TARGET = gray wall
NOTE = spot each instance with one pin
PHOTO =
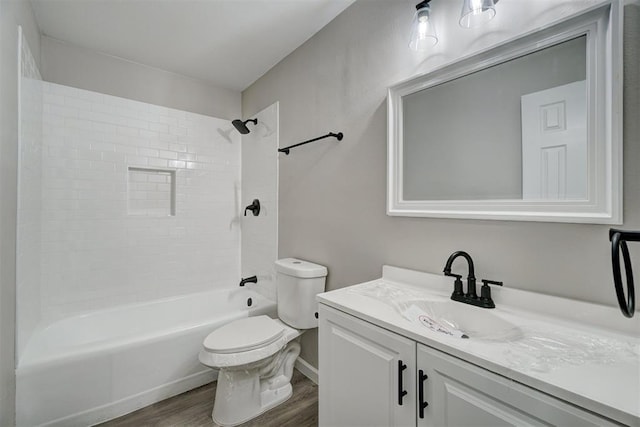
(332, 194)
(75, 66)
(12, 14)
(459, 147)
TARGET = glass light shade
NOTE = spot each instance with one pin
(423, 33)
(477, 12)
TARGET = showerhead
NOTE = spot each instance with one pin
(242, 126)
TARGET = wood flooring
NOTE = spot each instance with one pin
(193, 409)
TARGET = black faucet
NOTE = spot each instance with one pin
(471, 297)
(471, 278)
(252, 279)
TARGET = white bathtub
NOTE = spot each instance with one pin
(96, 366)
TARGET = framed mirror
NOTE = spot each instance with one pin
(530, 130)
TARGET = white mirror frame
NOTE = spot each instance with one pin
(602, 26)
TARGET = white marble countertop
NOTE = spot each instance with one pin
(587, 354)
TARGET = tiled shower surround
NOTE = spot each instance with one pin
(29, 240)
(139, 202)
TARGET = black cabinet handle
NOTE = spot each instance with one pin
(401, 391)
(422, 404)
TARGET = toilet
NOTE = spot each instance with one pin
(255, 355)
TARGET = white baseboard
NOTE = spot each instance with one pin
(133, 403)
(307, 369)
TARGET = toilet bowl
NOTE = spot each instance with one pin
(255, 355)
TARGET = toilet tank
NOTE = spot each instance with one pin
(298, 282)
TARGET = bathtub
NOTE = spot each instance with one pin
(95, 366)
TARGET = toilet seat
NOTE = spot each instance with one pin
(244, 335)
(267, 337)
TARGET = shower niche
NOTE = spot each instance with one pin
(151, 192)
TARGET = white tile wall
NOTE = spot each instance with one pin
(260, 181)
(28, 242)
(94, 252)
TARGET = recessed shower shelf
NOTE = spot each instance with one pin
(151, 192)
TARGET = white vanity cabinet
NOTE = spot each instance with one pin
(459, 393)
(362, 375)
(363, 370)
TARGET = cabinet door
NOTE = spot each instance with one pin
(363, 369)
(461, 394)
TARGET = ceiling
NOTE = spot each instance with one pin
(227, 43)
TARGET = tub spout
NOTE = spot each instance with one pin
(252, 279)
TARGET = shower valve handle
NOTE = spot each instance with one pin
(253, 207)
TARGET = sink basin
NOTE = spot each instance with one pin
(474, 322)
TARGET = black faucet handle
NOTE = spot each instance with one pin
(457, 285)
(485, 293)
(491, 282)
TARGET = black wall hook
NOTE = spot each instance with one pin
(286, 150)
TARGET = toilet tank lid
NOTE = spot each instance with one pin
(300, 268)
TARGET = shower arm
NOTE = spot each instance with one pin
(286, 150)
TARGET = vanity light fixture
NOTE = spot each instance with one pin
(477, 12)
(423, 33)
